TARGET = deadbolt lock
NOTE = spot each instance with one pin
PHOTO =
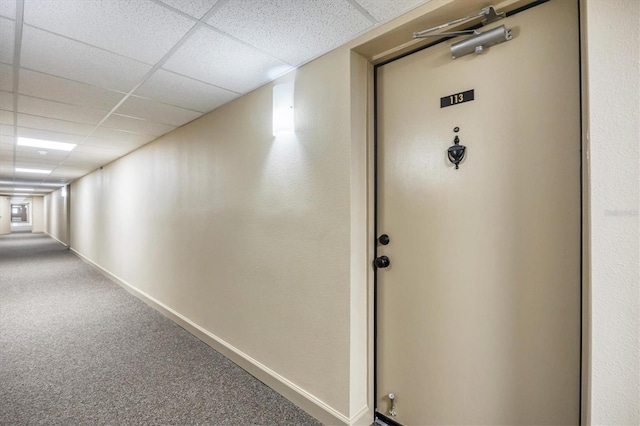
(384, 239)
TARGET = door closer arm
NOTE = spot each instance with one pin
(479, 40)
(489, 13)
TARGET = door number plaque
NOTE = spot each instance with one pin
(457, 98)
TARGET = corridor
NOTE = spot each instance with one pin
(75, 348)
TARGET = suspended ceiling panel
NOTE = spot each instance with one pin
(7, 35)
(8, 8)
(75, 60)
(193, 8)
(113, 75)
(307, 29)
(209, 56)
(175, 89)
(46, 86)
(141, 30)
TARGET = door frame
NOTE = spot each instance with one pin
(377, 54)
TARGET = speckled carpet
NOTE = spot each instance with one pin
(75, 349)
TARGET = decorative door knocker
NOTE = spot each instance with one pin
(456, 152)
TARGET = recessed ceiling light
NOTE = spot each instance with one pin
(23, 189)
(39, 143)
(42, 152)
(38, 171)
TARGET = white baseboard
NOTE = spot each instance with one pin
(65, 244)
(303, 399)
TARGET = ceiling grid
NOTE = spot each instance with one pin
(113, 75)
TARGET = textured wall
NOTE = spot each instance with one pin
(613, 48)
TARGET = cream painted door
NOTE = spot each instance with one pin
(478, 317)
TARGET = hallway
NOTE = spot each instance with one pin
(75, 348)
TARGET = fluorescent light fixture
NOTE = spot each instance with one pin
(47, 184)
(39, 143)
(283, 108)
(64, 192)
(38, 171)
(23, 189)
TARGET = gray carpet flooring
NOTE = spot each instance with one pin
(75, 348)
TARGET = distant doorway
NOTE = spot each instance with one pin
(21, 216)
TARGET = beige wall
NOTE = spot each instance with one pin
(37, 211)
(56, 216)
(613, 86)
(246, 235)
(5, 215)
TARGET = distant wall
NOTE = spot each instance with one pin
(5, 215)
(56, 216)
(37, 214)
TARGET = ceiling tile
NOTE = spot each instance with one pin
(117, 136)
(27, 163)
(103, 155)
(29, 183)
(8, 8)
(116, 142)
(6, 117)
(95, 161)
(69, 172)
(54, 125)
(26, 132)
(85, 164)
(170, 88)
(32, 152)
(97, 150)
(7, 130)
(195, 8)
(6, 144)
(46, 86)
(6, 101)
(216, 59)
(52, 109)
(385, 10)
(6, 77)
(307, 29)
(7, 35)
(94, 156)
(138, 29)
(49, 161)
(137, 125)
(42, 51)
(162, 113)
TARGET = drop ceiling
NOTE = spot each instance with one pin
(113, 75)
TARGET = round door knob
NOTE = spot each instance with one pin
(382, 262)
(384, 239)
